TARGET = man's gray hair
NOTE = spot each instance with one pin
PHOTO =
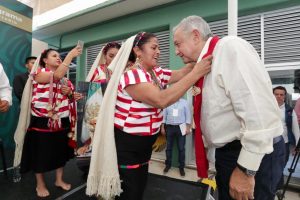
(194, 22)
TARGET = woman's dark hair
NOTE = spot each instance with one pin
(139, 41)
(111, 45)
(45, 54)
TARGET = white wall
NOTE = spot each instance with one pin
(37, 47)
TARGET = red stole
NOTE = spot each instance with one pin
(201, 160)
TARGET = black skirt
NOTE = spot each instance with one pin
(45, 151)
(132, 150)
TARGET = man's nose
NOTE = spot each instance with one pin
(177, 52)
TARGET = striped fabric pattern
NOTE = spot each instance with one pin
(135, 117)
(40, 98)
(99, 75)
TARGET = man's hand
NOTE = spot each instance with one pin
(241, 186)
(4, 105)
(188, 129)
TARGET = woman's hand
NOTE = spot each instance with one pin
(75, 52)
(4, 105)
(203, 67)
(190, 65)
(93, 122)
(65, 90)
(82, 150)
(77, 96)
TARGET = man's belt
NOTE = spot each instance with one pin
(236, 145)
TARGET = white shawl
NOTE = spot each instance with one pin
(103, 179)
(24, 117)
(99, 60)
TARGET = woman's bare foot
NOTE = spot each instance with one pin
(63, 185)
(42, 191)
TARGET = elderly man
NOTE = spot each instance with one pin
(5, 91)
(239, 114)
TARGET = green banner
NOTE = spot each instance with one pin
(15, 19)
(15, 42)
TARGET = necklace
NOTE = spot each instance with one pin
(153, 76)
(155, 80)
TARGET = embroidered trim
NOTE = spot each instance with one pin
(133, 166)
(45, 130)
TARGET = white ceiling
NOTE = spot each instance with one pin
(114, 9)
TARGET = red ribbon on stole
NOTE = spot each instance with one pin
(201, 160)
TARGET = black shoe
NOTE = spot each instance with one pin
(166, 169)
(279, 194)
(181, 171)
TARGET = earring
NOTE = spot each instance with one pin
(137, 63)
(137, 60)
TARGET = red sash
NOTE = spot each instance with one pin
(201, 160)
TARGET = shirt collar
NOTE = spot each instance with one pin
(204, 50)
(282, 106)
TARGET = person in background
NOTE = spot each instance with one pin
(21, 79)
(177, 118)
(297, 110)
(101, 74)
(290, 127)
(235, 109)
(5, 91)
(50, 139)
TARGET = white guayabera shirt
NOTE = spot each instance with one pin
(5, 89)
(238, 102)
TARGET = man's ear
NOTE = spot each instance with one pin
(196, 35)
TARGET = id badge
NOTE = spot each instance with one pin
(175, 112)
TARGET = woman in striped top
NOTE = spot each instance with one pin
(138, 113)
(49, 141)
(102, 74)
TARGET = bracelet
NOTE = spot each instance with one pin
(64, 64)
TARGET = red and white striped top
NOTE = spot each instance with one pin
(101, 74)
(135, 117)
(40, 98)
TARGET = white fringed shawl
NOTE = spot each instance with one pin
(24, 117)
(103, 179)
(99, 60)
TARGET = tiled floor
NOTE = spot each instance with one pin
(157, 167)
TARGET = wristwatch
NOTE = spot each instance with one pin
(248, 172)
